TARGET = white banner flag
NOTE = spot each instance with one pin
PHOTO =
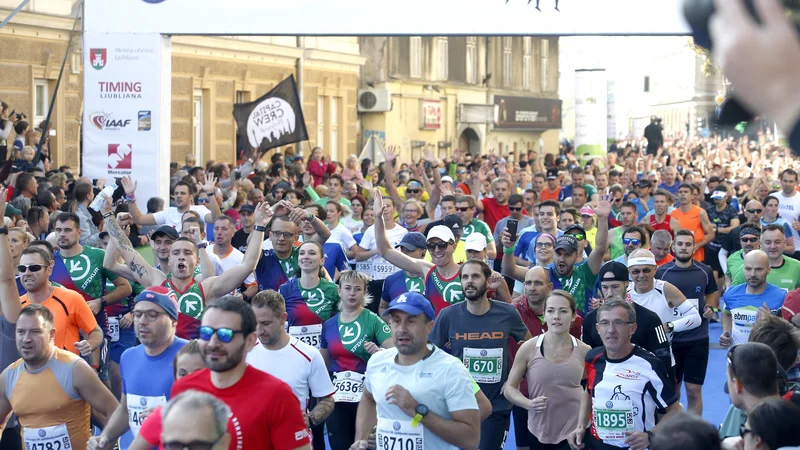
(591, 113)
(123, 98)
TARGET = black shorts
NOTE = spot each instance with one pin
(375, 289)
(494, 430)
(712, 259)
(691, 360)
(521, 433)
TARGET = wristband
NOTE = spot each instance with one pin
(130, 198)
(260, 228)
(4, 230)
(202, 245)
(107, 215)
(311, 218)
(509, 250)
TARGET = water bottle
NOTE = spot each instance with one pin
(99, 201)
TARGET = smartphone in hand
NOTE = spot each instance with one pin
(511, 226)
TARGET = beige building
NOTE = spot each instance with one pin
(476, 93)
(209, 74)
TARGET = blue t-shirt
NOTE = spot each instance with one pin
(642, 208)
(147, 381)
(335, 258)
(525, 245)
(271, 272)
(695, 282)
(744, 308)
(787, 229)
(671, 189)
(396, 284)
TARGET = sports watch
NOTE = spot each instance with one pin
(421, 411)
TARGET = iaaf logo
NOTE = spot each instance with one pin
(105, 121)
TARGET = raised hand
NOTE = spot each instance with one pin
(378, 205)
(430, 157)
(3, 193)
(603, 208)
(129, 185)
(298, 215)
(263, 214)
(210, 184)
(307, 180)
(391, 153)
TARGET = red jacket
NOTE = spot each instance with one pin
(318, 169)
(536, 326)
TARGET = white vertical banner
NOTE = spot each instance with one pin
(591, 112)
(126, 93)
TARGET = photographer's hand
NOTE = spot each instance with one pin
(760, 60)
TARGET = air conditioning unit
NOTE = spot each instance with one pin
(374, 100)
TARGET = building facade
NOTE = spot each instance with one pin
(471, 93)
(209, 75)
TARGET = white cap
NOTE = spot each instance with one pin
(441, 232)
(447, 179)
(475, 242)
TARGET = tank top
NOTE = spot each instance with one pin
(443, 292)
(691, 221)
(656, 301)
(661, 225)
(561, 384)
(191, 304)
(49, 421)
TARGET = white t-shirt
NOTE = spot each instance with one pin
(789, 209)
(216, 263)
(440, 382)
(379, 267)
(232, 259)
(299, 365)
(172, 217)
(343, 236)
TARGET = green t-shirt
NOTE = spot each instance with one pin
(735, 263)
(785, 276)
(368, 327)
(290, 264)
(577, 283)
(87, 272)
(477, 225)
(321, 300)
(324, 201)
(616, 248)
(415, 284)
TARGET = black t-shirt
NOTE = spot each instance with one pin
(239, 240)
(650, 334)
(721, 219)
(731, 243)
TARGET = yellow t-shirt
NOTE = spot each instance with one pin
(459, 255)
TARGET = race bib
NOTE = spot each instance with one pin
(349, 386)
(382, 268)
(310, 334)
(363, 266)
(48, 438)
(399, 435)
(113, 328)
(137, 404)
(613, 420)
(484, 364)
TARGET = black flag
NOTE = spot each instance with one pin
(273, 120)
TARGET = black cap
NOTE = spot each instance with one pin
(247, 207)
(552, 173)
(567, 242)
(618, 271)
(452, 221)
(713, 179)
(643, 183)
(575, 227)
(167, 231)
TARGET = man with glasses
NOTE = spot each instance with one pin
(196, 419)
(525, 252)
(743, 301)
(414, 246)
(644, 201)
(690, 348)
(147, 379)
(516, 205)
(749, 240)
(227, 332)
(466, 208)
(627, 216)
(783, 271)
(626, 387)
(753, 212)
(633, 239)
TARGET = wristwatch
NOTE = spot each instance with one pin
(421, 411)
(649, 435)
(260, 228)
(670, 327)
(311, 218)
(4, 230)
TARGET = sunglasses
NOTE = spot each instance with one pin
(646, 271)
(617, 200)
(413, 191)
(513, 209)
(461, 172)
(749, 240)
(223, 334)
(754, 211)
(629, 241)
(434, 245)
(31, 267)
(579, 236)
(202, 200)
(544, 245)
(462, 209)
(193, 445)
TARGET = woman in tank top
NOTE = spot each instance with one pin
(554, 365)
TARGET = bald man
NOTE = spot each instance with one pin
(196, 417)
(743, 301)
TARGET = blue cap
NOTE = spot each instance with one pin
(413, 241)
(162, 297)
(412, 303)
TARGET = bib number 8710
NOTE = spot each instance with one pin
(398, 443)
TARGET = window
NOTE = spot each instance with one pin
(526, 63)
(545, 56)
(321, 121)
(197, 125)
(441, 44)
(472, 60)
(41, 101)
(333, 146)
(507, 61)
(415, 56)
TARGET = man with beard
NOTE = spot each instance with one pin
(690, 348)
(633, 239)
(85, 266)
(228, 330)
(183, 258)
(146, 373)
(627, 216)
(749, 240)
(531, 309)
(477, 332)
(415, 393)
(783, 269)
(51, 390)
(693, 218)
(743, 301)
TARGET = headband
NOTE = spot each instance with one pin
(548, 235)
(641, 261)
(749, 230)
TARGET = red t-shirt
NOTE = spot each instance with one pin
(493, 212)
(791, 305)
(266, 414)
(547, 194)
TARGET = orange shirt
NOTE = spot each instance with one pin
(72, 315)
(666, 260)
(547, 194)
(691, 221)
